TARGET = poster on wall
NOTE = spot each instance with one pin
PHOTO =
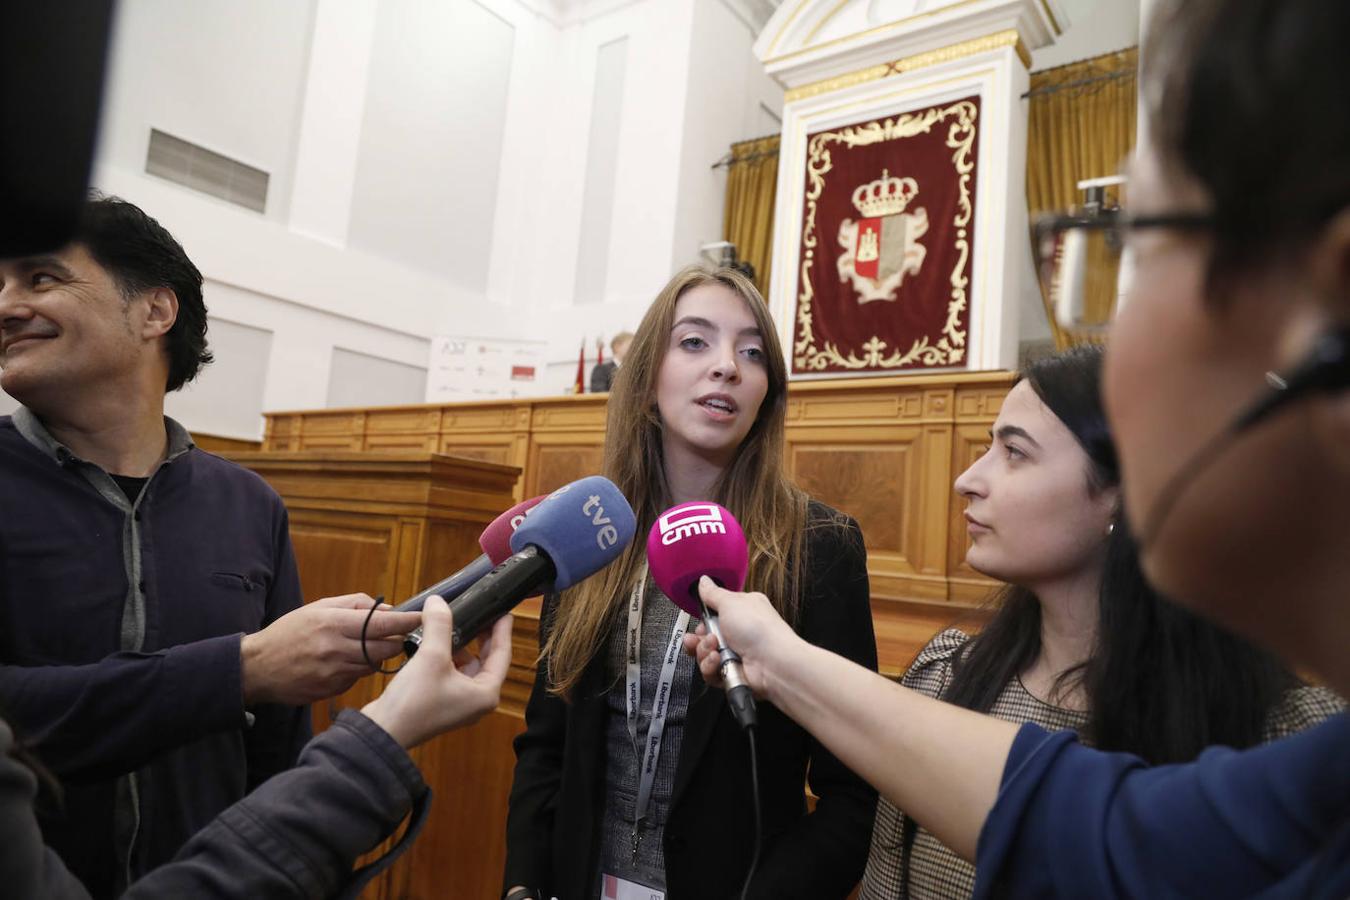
(886, 244)
(470, 368)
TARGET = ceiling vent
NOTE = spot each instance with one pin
(202, 170)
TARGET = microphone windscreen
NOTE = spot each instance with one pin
(582, 527)
(692, 540)
(496, 538)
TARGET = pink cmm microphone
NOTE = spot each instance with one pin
(687, 542)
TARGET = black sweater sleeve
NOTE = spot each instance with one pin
(824, 853)
(538, 775)
(295, 836)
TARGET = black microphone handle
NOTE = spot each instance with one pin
(451, 587)
(494, 595)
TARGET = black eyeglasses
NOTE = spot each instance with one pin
(1078, 258)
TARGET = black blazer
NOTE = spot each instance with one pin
(553, 824)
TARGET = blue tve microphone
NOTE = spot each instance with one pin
(573, 533)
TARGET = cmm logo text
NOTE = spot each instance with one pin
(687, 521)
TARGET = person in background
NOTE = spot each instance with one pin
(1079, 639)
(698, 414)
(1241, 268)
(298, 834)
(602, 376)
(153, 645)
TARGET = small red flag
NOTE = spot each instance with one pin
(580, 386)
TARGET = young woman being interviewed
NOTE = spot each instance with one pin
(696, 413)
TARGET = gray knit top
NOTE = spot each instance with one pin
(621, 757)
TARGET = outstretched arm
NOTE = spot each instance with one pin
(939, 763)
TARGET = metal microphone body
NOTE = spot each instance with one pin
(451, 587)
(739, 696)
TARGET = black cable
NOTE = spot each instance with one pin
(759, 826)
(365, 653)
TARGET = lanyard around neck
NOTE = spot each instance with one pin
(651, 749)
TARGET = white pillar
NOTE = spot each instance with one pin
(331, 117)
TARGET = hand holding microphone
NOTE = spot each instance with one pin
(441, 690)
(751, 624)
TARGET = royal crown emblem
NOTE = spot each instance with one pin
(882, 247)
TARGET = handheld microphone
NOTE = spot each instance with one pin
(496, 543)
(685, 543)
(573, 533)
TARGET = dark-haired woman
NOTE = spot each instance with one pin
(1080, 641)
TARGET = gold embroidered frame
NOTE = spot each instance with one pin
(949, 350)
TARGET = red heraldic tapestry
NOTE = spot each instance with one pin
(887, 241)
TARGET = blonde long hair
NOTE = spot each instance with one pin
(771, 509)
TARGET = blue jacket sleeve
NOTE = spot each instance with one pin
(278, 733)
(1070, 821)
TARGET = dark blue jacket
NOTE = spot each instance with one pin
(1273, 821)
(120, 626)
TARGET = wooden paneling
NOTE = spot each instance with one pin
(463, 850)
(556, 460)
(884, 450)
(392, 524)
(214, 443)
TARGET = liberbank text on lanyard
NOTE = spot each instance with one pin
(651, 751)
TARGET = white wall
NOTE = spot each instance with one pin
(427, 162)
(425, 192)
(1095, 27)
(245, 58)
(602, 155)
(229, 391)
(691, 87)
(359, 379)
(729, 93)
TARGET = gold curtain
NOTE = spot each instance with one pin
(1080, 124)
(747, 217)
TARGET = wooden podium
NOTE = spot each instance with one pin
(390, 524)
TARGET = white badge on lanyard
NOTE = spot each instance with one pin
(651, 751)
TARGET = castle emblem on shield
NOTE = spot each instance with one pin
(882, 247)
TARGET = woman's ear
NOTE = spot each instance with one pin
(1109, 501)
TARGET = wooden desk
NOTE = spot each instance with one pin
(884, 450)
(392, 524)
